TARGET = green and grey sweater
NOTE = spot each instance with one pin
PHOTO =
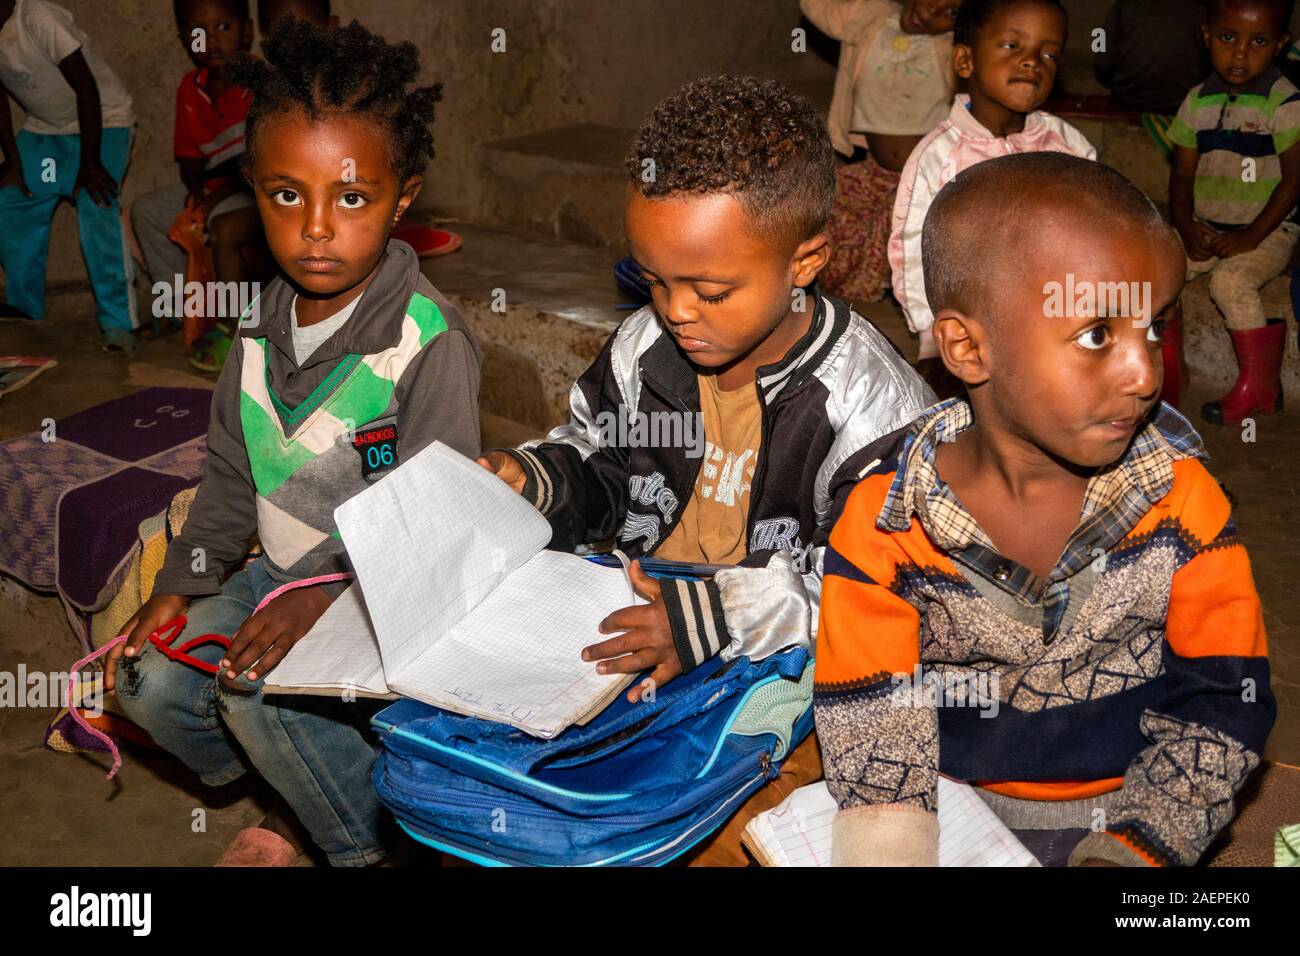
(289, 444)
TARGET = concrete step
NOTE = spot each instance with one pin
(541, 310)
(558, 303)
(1128, 148)
(566, 183)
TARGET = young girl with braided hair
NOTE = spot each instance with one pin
(346, 365)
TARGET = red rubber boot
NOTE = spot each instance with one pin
(1259, 379)
(1171, 351)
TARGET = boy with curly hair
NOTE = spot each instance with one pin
(731, 181)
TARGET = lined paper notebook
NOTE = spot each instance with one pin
(797, 832)
(469, 615)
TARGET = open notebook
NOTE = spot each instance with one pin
(797, 832)
(458, 605)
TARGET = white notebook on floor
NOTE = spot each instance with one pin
(458, 605)
(797, 832)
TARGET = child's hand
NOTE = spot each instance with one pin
(648, 641)
(268, 635)
(157, 611)
(94, 179)
(11, 174)
(1199, 239)
(504, 467)
(1234, 243)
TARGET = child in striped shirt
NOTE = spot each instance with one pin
(1233, 187)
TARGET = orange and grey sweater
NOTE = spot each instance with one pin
(1127, 692)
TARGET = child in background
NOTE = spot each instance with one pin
(238, 227)
(1233, 188)
(350, 349)
(235, 228)
(74, 144)
(208, 141)
(792, 387)
(1007, 51)
(1046, 554)
(1146, 75)
(894, 84)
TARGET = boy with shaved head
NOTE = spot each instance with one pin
(1040, 588)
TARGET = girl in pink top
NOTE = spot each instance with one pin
(1007, 51)
(894, 85)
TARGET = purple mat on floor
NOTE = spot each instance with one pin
(70, 509)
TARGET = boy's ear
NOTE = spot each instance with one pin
(810, 257)
(1205, 35)
(963, 61)
(962, 345)
(246, 35)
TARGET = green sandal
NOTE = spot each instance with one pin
(211, 350)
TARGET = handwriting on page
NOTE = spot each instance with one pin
(509, 712)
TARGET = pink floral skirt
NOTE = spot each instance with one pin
(859, 230)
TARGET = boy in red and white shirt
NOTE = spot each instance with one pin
(208, 140)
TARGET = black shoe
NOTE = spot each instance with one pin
(7, 311)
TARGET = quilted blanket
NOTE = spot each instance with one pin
(72, 496)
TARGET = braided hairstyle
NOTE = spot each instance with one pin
(348, 71)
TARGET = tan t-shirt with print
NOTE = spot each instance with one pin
(712, 528)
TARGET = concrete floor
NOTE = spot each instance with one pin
(56, 809)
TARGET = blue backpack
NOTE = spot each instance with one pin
(637, 786)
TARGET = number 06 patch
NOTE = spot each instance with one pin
(378, 450)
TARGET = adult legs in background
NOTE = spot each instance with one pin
(25, 238)
(104, 243)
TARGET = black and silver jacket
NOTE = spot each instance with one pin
(842, 386)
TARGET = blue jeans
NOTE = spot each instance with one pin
(50, 166)
(311, 749)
